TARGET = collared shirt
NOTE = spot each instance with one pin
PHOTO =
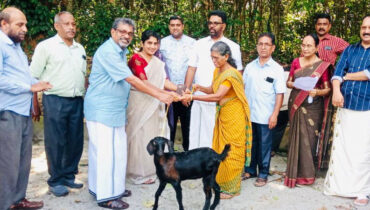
(62, 65)
(330, 47)
(261, 84)
(356, 94)
(176, 55)
(15, 78)
(201, 59)
(107, 95)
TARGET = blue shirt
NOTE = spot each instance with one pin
(107, 95)
(15, 78)
(176, 55)
(356, 94)
(261, 84)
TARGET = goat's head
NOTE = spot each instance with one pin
(157, 146)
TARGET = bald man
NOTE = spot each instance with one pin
(16, 89)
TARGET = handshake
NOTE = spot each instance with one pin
(183, 94)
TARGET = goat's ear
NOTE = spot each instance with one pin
(169, 145)
(150, 147)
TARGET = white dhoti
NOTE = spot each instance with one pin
(202, 123)
(107, 161)
(349, 167)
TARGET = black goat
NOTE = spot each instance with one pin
(197, 163)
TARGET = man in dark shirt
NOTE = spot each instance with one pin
(349, 168)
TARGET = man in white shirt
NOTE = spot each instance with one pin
(200, 70)
(176, 49)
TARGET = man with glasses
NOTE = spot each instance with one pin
(200, 70)
(105, 112)
(65, 68)
(264, 87)
(176, 50)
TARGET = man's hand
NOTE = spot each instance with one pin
(313, 93)
(272, 121)
(338, 99)
(41, 86)
(165, 98)
(36, 112)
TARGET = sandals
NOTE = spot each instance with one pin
(227, 196)
(247, 175)
(114, 204)
(149, 181)
(361, 201)
(260, 182)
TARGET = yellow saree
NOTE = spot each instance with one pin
(233, 126)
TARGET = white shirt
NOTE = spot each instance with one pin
(261, 84)
(201, 59)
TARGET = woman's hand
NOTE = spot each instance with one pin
(176, 97)
(195, 88)
(313, 92)
(186, 98)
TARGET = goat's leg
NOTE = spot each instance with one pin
(160, 189)
(208, 191)
(216, 189)
(177, 187)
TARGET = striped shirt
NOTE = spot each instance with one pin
(330, 47)
(356, 94)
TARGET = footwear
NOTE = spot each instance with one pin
(25, 204)
(59, 190)
(260, 182)
(247, 175)
(72, 184)
(149, 181)
(114, 204)
(227, 196)
(361, 201)
(127, 193)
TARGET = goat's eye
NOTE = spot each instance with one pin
(154, 143)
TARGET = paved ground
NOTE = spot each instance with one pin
(273, 196)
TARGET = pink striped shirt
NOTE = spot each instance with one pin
(330, 47)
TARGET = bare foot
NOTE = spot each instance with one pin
(149, 181)
(225, 196)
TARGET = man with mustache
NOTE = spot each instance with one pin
(201, 67)
(105, 112)
(330, 46)
(176, 50)
(349, 168)
(62, 61)
(16, 88)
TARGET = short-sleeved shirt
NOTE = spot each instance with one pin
(107, 95)
(15, 78)
(64, 66)
(176, 54)
(261, 84)
(330, 47)
(201, 59)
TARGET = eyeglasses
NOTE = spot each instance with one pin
(260, 44)
(213, 23)
(124, 32)
(306, 45)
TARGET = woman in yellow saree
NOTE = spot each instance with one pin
(233, 124)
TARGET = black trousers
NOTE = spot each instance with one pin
(15, 157)
(63, 130)
(182, 112)
(278, 131)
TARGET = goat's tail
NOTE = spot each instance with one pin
(224, 153)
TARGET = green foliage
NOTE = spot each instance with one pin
(289, 20)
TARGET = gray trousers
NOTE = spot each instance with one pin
(15, 157)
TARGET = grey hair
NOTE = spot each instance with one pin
(126, 21)
(57, 16)
(4, 16)
(224, 49)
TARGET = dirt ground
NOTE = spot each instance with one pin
(273, 196)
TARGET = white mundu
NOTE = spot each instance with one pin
(349, 168)
(202, 120)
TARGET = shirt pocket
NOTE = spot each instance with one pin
(267, 88)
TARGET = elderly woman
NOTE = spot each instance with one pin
(233, 124)
(306, 116)
(145, 114)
